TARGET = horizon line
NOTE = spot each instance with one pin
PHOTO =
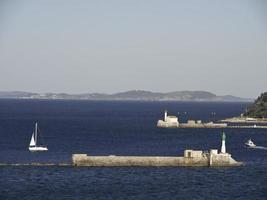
(130, 90)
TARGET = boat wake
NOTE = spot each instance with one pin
(258, 147)
(250, 144)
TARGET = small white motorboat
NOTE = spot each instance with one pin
(249, 143)
(33, 144)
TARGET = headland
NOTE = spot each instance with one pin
(255, 113)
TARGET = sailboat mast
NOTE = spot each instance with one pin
(35, 133)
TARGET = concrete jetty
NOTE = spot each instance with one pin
(35, 164)
(173, 122)
(191, 158)
(251, 127)
(245, 120)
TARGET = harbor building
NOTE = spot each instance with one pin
(168, 121)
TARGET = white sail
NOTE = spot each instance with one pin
(32, 143)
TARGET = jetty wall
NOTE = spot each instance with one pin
(152, 161)
(221, 160)
(203, 125)
(108, 161)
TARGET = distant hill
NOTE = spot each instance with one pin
(133, 95)
(259, 108)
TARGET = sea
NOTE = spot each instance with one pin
(124, 128)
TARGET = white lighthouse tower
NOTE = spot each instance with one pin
(223, 148)
(165, 115)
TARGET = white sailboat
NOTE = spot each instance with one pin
(33, 144)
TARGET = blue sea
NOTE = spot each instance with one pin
(124, 128)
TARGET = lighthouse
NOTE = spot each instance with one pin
(223, 148)
(165, 115)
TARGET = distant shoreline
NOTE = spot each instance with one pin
(127, 100)
(133, 95)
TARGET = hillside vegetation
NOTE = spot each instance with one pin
(259, 108)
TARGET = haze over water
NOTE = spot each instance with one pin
(113, 46)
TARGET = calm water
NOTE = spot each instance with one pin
(124, 128)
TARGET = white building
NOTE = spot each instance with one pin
(168, 121)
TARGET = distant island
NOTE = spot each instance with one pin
(133, 95)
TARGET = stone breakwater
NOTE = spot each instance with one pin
(245, 120)
(191, 158)
(36, 164)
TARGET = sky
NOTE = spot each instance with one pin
(111, 46)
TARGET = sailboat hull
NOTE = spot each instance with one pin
(33, 149)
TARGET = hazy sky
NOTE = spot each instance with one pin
(109, 46)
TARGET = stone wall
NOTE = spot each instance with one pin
(108, 161)
(199, 159)
(222, 159)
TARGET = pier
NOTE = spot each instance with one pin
(36, 164)
(243, 126)
(191, 158)
(173, 122)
